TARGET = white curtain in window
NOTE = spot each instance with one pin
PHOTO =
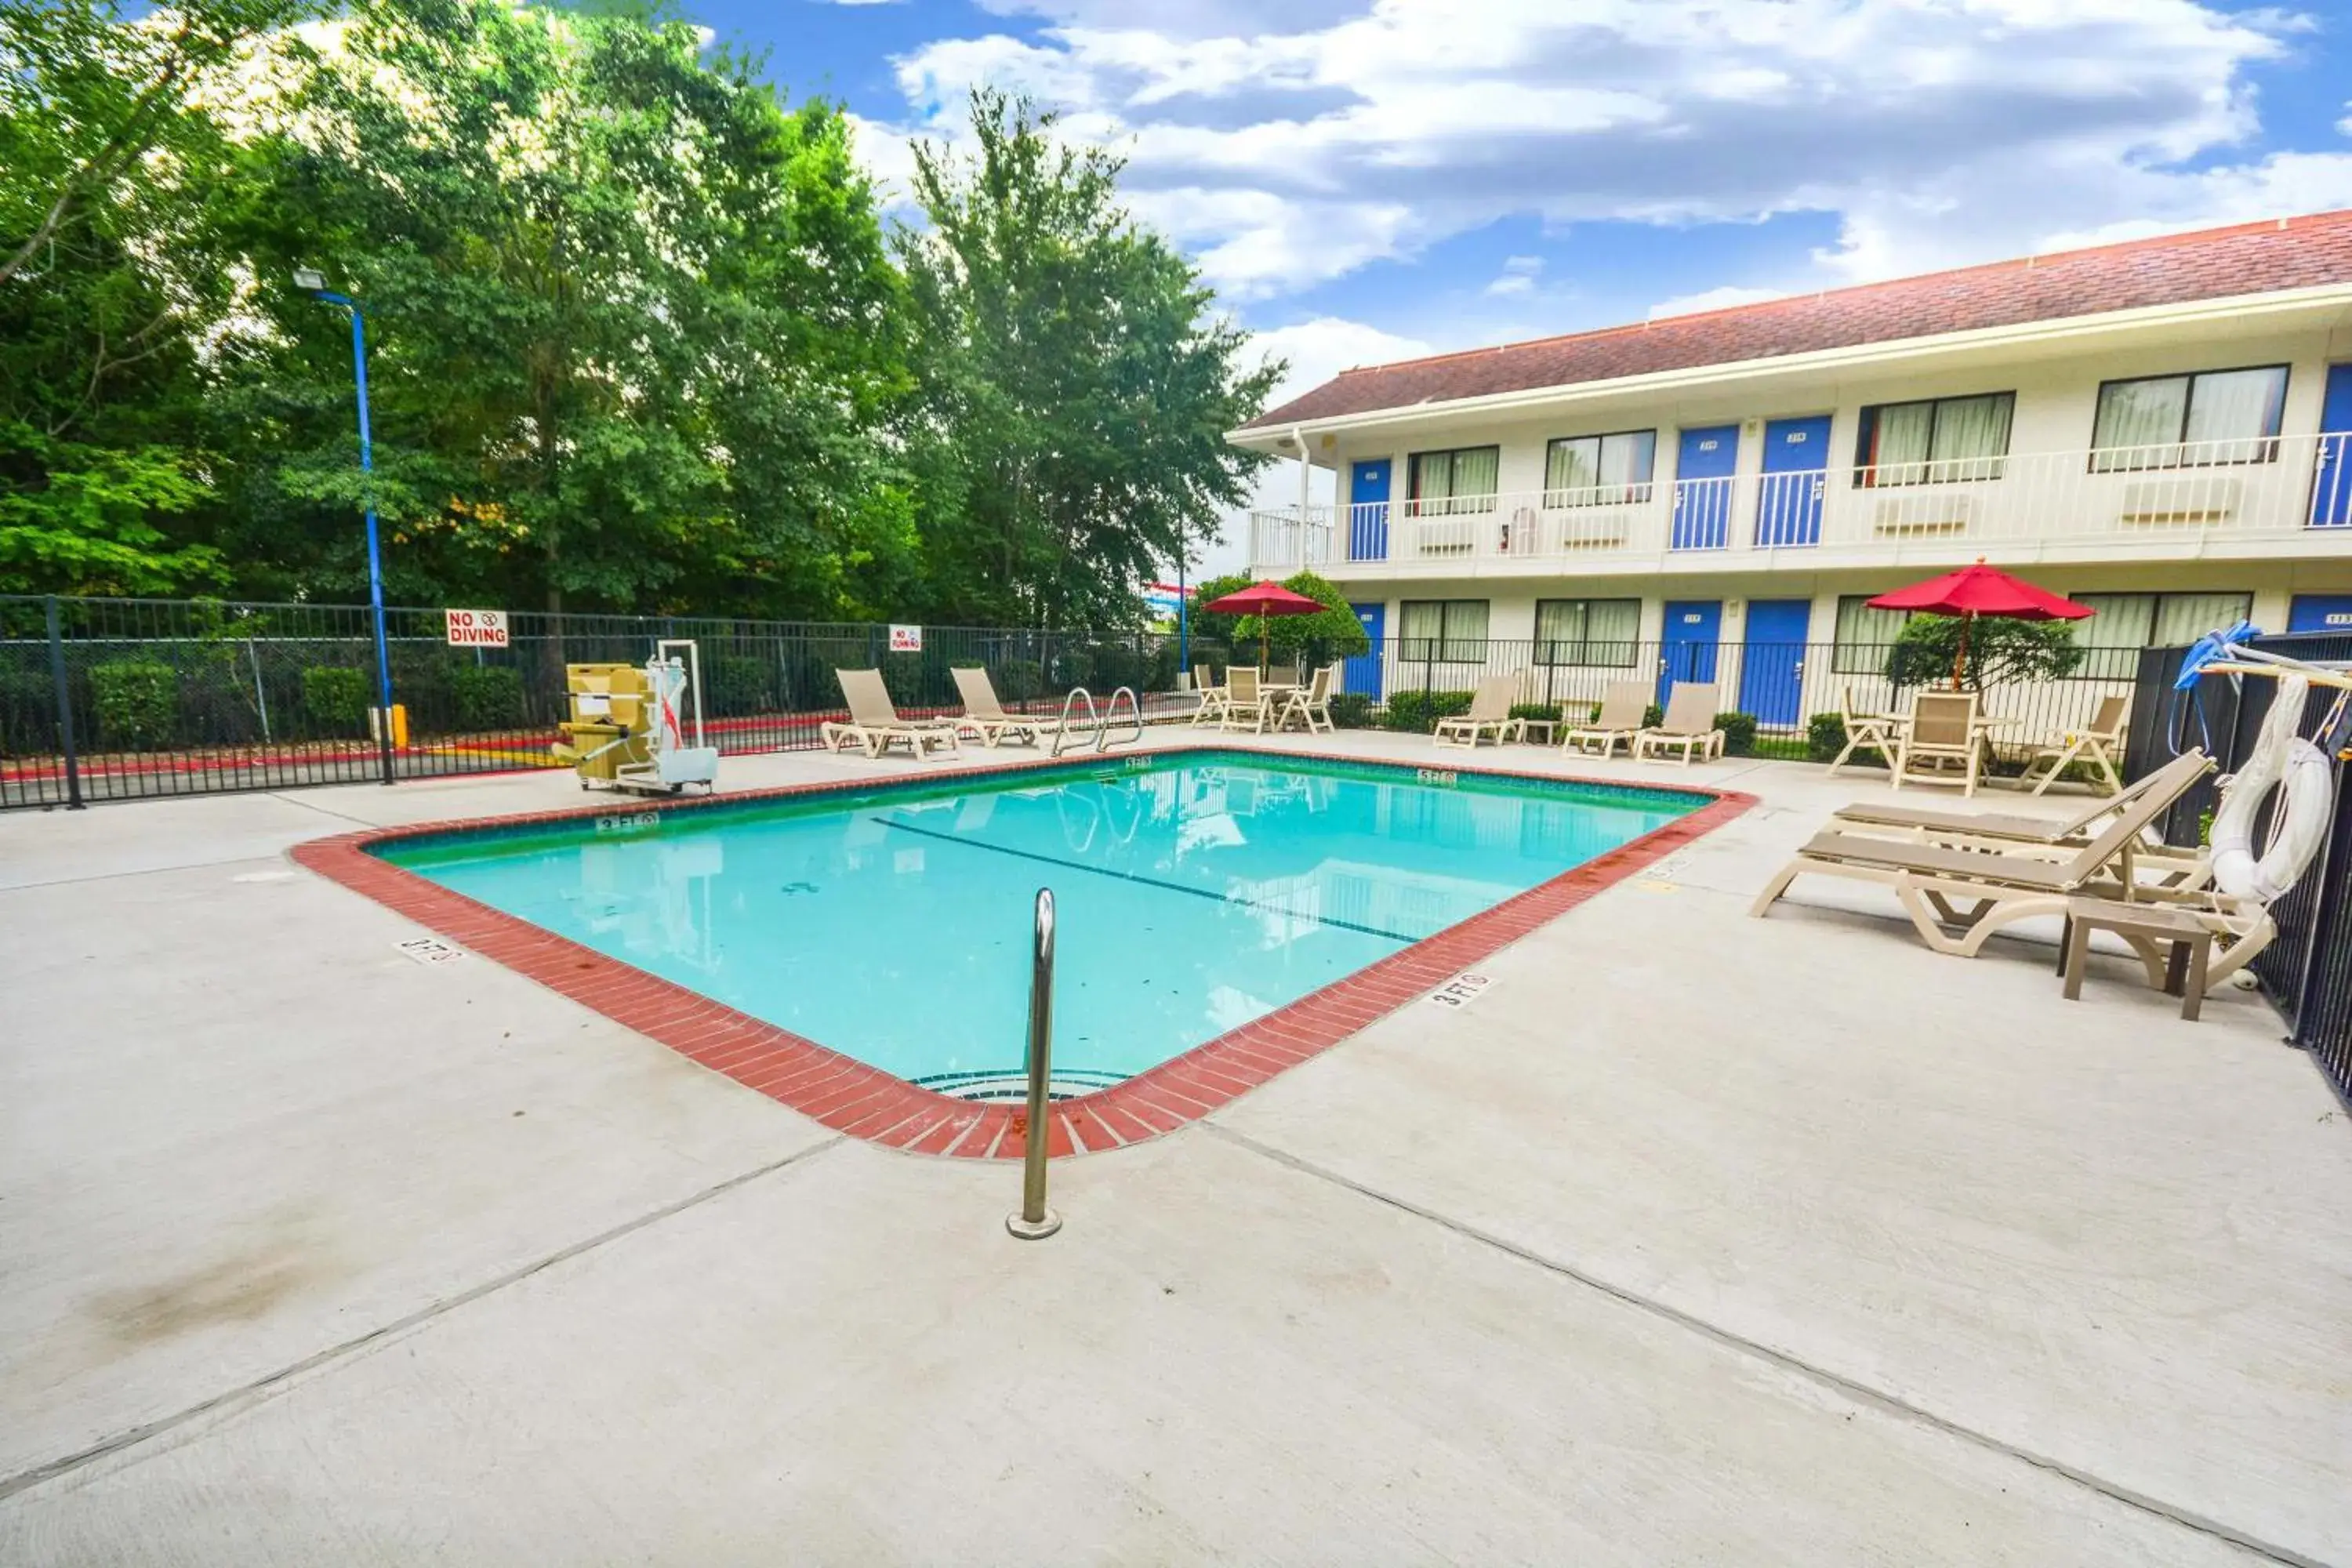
(1433, 480)
(2230, 413)
(1904, 432)
(1466, 629)
(1559, 630)
(1572, 466)
(1862, 634)
(2182, 618)
(1474, 473)
(1421, 620)
(2119, 626)
(2139, 423)
(1971, 436)
(1610, 627)
(1625, 464)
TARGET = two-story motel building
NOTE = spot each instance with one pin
(2160, 429)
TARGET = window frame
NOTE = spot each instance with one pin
(1550, 651)
(1637, 492)
(2268, 441)
(1841, 652)
(2093, 656)
(1441, 647)
(1450, 504)
(1869, 474)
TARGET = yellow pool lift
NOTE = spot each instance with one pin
(627, 726)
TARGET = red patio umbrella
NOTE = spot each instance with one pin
(1261, 600)
(1980, 590)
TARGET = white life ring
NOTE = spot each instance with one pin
(2279, 754)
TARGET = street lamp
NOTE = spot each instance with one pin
(314, 282)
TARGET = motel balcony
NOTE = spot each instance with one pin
(2271, 496)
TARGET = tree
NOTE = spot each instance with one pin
(1074, 388)
(635, 333)
(2000, 650)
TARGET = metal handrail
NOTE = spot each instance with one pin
(1035, 1221)
(1062, 731)
(1103, 741)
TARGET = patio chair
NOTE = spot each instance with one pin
(2100, 742)
(1943, 728)
(1623, 706)
(1935, 824)
(875, 725)
(1490, 709)
(1688, 725)
(1310, 704)
(985, 717)
(1959, 894)
(1213, 698)
(1872, 731)
(1245, 702)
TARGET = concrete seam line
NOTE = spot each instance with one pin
(322, 810)
(144, 872)
(1861, 1393)
(146, 1432)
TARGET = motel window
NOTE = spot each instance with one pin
(1446, 484)
(2185, 421)
(1863, 636)
(1588, 631)
(1454, 630)
(1600, 470)
(1938, 441)
(2123, 624)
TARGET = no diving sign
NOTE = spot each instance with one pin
(476, 628)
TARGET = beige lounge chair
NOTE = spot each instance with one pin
(985, 717)
(2101, 743)
(1213, 697)
(1688, 725)
(1935, 824)
(1310, 704)
(1863, 732)
(875, 725)
(1943, 728)
(1246, 702)
(1490, 709)
(1959, 894)
(1623, 706)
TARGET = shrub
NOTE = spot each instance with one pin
(1018, 680)
(1542, 712)
(1652, 717)
(1419, 711)
(138, 702)
(2000, 651)
(487, 697)
(1825, 738)
(1351, 710)
(1739, 733)
(734, 684)
(28, 710)
(336, 698)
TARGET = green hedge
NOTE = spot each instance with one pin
(734, 684)
(487, 697)
(1351, 710)
(336, 698)
(1419, 711)
(1544, 712)
(1018, 680)
(1825, 738)
(1739, 733)
(138, 702)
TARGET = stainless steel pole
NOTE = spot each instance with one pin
(1034, 1222)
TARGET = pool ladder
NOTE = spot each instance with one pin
(1098, 721)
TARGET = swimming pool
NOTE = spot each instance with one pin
(1200, 893)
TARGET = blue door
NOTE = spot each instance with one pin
(1363, 671)
(1687, 646)
(1789, 500)
(1772, 660)
(1368, 515)
(2331, 484)
(1702, 472)
(2320, 613)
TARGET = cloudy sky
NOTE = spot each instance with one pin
(1366, 181)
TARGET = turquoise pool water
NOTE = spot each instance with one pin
(1196, 892)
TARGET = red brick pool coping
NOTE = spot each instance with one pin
(866, 1102)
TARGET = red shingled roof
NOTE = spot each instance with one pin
(2250, 259)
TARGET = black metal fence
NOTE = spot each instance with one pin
(117, 699)
(2307, 969)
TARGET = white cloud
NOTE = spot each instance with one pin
(1518, 276)
(1935, 132)
(1721, 298)
(2345, 124)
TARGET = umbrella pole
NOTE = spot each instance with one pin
(1960, 653)
(1264, 624)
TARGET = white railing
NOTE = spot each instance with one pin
(2168, 500)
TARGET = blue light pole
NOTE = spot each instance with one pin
(311, 279)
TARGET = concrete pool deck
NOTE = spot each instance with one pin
(1692, 1237)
